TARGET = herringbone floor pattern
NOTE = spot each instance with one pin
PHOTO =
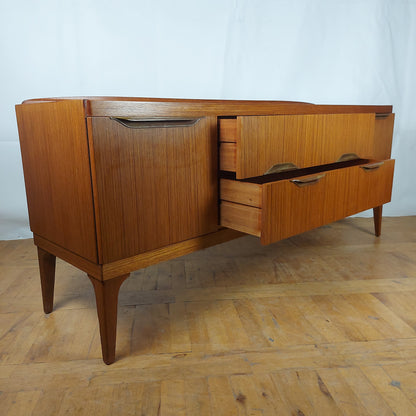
(323, 323)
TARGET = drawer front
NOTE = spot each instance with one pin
(292, 206)
(252, 145)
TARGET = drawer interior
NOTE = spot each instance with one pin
(293, 173)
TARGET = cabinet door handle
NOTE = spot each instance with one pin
(307, 181)
(151, 123)
(372, 166)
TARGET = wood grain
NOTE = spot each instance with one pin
(304, 140)
(227, 130)
(155, 186)
(178, 108)
(228, 156)
(130, 264)
(47, 264)
(172, 251)
(94, 188)
(106, 298)
(109, 196)
(70, 257)
(377, 216)
(241, 218)
(103, 104)
(383, 133)
(323, 320)
(245, 193)
(54, 145)
(287, 209)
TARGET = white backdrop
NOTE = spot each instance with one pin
(320, 51)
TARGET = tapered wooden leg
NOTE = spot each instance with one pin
(47, 264)
(106, 297)
(377, 212)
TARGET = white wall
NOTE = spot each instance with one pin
(320, 51)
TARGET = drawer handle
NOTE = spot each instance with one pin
(372, 166)
(133, 123)
(307, 181)
(281, 167)
(347, 157)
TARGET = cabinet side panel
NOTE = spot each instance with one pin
(155, 186)
(54, 146)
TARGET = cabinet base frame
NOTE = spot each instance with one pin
(108, 278)
(107, 282)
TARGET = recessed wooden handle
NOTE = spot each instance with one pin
(133, 123)
(307, 181)
(372, 166)
(281, 167)
(347, 156)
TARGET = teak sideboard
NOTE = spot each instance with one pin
(117, 184)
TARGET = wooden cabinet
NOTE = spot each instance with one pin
(116, 184)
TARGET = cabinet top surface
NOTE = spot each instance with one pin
(172, 107)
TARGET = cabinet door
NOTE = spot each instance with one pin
(252, 145)
(155, 182)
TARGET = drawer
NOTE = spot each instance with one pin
(252, 145)
(293, 204)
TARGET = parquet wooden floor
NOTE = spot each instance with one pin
(323, 323)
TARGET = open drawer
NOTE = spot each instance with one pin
(292, 204)
(254, 145)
